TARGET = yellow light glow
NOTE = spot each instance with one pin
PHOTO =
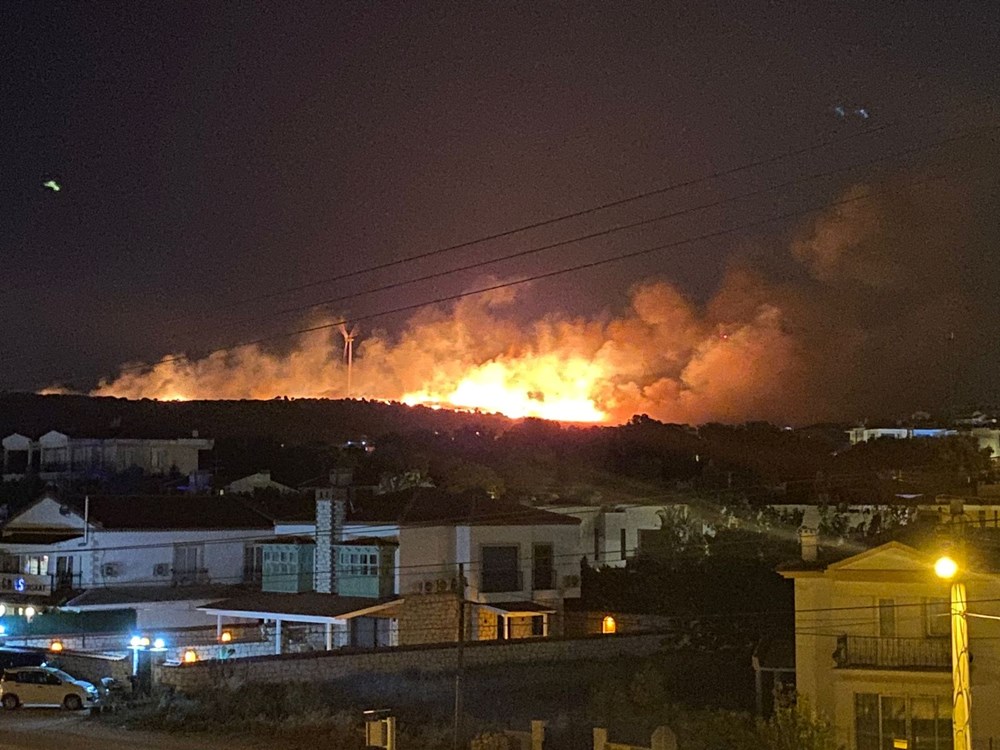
(608, 625)
(144, 641)
(56, 646)
(226, 636)
(562, 389)
(945, 567)
(190, 656)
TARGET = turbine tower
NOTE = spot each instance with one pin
(348, 351)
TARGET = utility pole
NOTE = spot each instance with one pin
(460, 657)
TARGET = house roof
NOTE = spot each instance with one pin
(46, 538)
(930, 538)
(432, 506)
(166, 512)
(124, 595)
(309, 606)
(519, 608)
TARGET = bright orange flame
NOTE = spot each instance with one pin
(546, 387)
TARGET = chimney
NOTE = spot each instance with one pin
(330, 516)
(809, 539)
(341, 477)
(809, 534)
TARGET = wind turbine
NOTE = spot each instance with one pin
(348, 351)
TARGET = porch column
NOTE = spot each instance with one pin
(218, 628)
(277, 636)
(545, 625)
(329, 636)
(506, 627)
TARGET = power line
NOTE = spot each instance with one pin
(518, 282)
(616, 228)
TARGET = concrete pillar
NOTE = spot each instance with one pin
(329, 636)
(545, 626)
(663, 739)
(218, 628)
(277, 636)
(538, 734)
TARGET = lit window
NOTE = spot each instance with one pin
(608, 625)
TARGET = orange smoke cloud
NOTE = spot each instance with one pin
(661, 357)
(756, 350)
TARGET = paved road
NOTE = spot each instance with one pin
(54, 729)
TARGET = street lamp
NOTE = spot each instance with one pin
(947, 568)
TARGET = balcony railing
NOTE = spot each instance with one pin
(501, 581)
(873, 652)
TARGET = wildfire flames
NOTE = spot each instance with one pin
(757, 349)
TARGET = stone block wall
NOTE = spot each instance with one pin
(326, 666)
(429, 618)
(93, 667)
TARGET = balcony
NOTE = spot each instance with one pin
(500, 581)
(911, 654)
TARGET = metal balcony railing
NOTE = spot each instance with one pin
(874, 652)
(501, 581)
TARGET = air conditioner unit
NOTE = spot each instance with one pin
(161, 569)
(111, 570)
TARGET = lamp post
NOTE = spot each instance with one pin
(946, 568)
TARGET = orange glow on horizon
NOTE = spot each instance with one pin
(541, 387)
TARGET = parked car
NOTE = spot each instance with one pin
(45, 686)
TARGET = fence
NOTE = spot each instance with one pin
(331, 665)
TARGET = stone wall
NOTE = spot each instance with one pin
(92, 667)
(325, 666)
(582, 622)
(429, 618)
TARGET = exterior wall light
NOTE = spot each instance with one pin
(56, 646)
(226, 636)
(608, 625)
(30, 612)
(945, 568)
(190, 656)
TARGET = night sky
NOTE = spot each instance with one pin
(213, 156)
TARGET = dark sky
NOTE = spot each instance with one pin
(211, 153)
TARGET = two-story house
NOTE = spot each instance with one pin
(402, 566)
(872, 638)
(159, 556)
(56, 455)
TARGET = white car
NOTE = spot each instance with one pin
(44, 686)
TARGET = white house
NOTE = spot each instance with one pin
(56, 455)
(131, 552)
(872, 645)
(395, 563)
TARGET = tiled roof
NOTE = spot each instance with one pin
(430, 506)
(982, 545)
(150, 513)
(308, 604)
(123, 595)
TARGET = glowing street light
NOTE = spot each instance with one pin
(56, 646)
(946, 568)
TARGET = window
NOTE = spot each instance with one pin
(500, 570)
(937, 617)
(253, 563)
(887, 618)
(188, 561)
(543, 574)
(920, 722)
(36, 565)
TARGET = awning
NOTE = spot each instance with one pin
(519, 609)
(306, 607)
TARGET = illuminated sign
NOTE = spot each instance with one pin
(29, 585)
